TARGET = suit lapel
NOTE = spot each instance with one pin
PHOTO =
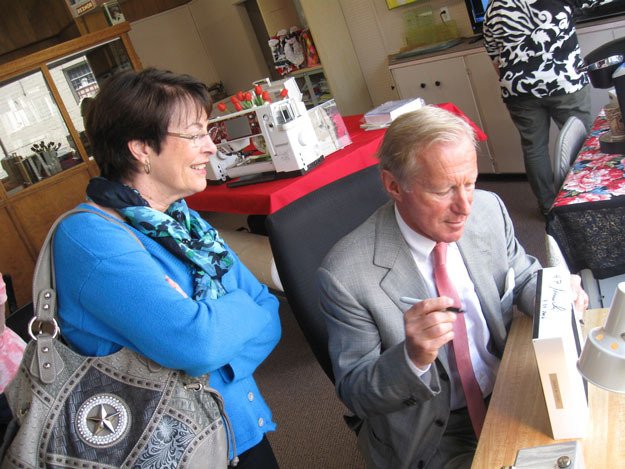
(475, 253)
(475, 249)
(392, 253)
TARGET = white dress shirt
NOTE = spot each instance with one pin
(485, 364)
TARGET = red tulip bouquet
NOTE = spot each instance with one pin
(248, 99)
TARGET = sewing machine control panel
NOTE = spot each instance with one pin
(237, 127)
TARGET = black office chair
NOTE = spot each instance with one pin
(570, 140)
(302, 233)
(17, 318)
(11, 300)
(18, 321)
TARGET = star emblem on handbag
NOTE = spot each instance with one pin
(102, 420)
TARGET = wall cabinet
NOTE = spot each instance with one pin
(445, 80)
(45, 161)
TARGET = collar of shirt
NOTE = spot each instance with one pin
(420, 248)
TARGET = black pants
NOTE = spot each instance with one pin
(258, 457)
(5, 416)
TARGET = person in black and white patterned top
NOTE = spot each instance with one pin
(534, 48)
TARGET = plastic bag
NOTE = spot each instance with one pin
(11, 345)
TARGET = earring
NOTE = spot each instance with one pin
(147, 167)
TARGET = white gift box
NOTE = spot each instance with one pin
(557, 343)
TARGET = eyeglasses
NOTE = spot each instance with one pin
(198, 140)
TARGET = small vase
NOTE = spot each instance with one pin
(52, 160)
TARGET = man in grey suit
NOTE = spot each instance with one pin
(393, 362)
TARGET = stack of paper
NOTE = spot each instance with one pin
(383, 115)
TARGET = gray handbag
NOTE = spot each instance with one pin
(120, 410)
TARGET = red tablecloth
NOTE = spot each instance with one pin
(267, 197)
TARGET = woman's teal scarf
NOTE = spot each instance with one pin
(188, 237)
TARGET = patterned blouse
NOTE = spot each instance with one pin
(535, 46)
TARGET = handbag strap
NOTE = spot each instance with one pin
(45, 304)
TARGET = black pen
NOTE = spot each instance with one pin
(412, 301)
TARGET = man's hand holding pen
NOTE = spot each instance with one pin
(429, 326)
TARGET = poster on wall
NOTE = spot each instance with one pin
(114, 14)
(80, 7)
(398, 3)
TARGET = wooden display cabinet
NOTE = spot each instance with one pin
(44, 156)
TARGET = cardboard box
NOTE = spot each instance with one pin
(557, 343)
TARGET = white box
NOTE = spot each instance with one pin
(557, 343)
(386, 113)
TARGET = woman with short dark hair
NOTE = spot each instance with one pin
(183, 299)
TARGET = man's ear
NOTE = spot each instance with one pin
(391, 185)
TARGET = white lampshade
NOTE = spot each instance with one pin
(602, 361)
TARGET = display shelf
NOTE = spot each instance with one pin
(313, 85)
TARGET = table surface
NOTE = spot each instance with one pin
(517, 415)
(588, 214)
(267, 197)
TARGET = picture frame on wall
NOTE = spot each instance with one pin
(399, 3)
(80, 7)
(114, 13)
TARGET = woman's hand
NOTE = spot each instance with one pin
(580, 298)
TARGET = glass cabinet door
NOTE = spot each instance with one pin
(36, 142)
(34, 139)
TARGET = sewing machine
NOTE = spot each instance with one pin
(274, 140)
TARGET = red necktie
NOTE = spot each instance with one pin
(460, 344)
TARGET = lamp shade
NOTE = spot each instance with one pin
(602, 361)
